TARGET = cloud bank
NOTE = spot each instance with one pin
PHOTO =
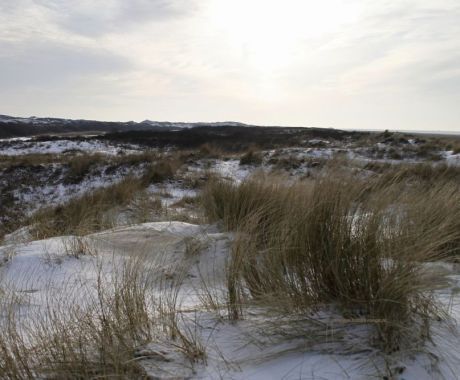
(336, 63)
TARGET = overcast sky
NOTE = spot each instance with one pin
(371, 64)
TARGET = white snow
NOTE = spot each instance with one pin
(231, 169)
(40, 270)
(17, 147)
(33, 198)
(451, 158)
(12, 139)
(171, 192)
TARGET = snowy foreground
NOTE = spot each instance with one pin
(260, 346)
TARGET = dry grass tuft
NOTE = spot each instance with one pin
(209, 150)
(194, 246)
(251, 157)
(78, 246)
(85, 214)
(424, 173)
(80, 165)
(162, 170)
(145, 208)
(338, 240)
(103, 337)
(68, 340)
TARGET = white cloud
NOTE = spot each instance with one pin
(346, 63)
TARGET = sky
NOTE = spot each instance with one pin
(348, 64)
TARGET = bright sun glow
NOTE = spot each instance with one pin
(269, 33)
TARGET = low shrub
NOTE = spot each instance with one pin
(162, 170)
(456, 149)
(208, 150)
(429, 151)
(80, 165)
(251, 157)
(135, 159)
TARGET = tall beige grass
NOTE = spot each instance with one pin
(85, 214)
(67, 340)
(103, 335)
(341, 241)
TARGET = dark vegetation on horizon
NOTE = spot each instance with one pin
(24, 129)
(231, 138)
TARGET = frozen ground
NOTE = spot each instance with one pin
(451, 158)
(40, 270)
(57, 191)
(171, 192)
(37, 271)
(22, 146)
(319, 149)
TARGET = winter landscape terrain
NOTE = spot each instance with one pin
(227, 251)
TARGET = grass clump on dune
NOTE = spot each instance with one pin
(161, 170)
(85, 214)
(338, 241)
(251, 157)
(105, 337)
(69, 340)
(98, 209)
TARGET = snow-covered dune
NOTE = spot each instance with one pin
(54, 269)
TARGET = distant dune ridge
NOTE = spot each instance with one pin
(11, 126)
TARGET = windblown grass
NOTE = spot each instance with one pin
(338, 241)
(162, 170)
(251, 157)
(103, 337)
(424, 173)
(85, 214)
(67, 340)
(80, 165)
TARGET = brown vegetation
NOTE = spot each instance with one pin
(338, 240)
(85, 214)
(102, 339)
